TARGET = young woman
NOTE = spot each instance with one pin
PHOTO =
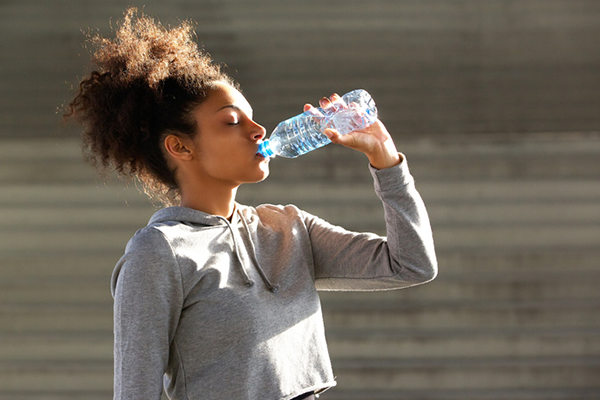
(213, 299)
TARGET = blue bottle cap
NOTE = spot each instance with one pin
(264, 149)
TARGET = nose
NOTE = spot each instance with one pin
(258, 131)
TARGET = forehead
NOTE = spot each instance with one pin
(223, 96)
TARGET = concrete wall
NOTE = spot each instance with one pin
(473, 90)
(434, 66)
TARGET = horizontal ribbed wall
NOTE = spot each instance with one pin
(514, 311)
(434, 66)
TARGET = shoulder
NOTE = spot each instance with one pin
(277, 218)
(148, 251)
(277, 209)
(274, 213)
(151, 238)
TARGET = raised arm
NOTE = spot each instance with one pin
(347, 260)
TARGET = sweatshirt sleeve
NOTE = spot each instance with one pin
(345, 260)
(148, 296)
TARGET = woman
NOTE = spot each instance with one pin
(214, 299)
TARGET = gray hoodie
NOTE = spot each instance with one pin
(229, 310)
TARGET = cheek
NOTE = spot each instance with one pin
(220, 162)
(216, 163)
(213, 152)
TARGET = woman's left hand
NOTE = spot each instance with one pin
(374, 141)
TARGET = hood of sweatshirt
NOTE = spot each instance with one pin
(200, 219)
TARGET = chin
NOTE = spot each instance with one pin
(264, 167)
(264, 176)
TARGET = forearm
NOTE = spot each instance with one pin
(347, 260)
(409, 234)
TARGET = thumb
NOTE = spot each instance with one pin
(348, 140)
(332, 134)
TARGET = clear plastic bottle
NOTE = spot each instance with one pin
(304, 132)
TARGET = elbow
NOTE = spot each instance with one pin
(429, 274)
(418, 274)
(429, 265)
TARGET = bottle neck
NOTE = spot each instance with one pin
(265, 150)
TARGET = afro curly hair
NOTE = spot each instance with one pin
(146, 83)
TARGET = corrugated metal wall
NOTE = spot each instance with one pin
(435, 66)
(495, 103)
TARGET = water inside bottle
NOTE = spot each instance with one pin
(303, 133)
(300, 134)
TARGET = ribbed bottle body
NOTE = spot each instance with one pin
(304, 132)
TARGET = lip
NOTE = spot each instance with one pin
(257, 152)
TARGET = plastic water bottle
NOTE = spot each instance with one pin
(304, 132)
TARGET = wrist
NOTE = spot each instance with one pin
(385, 156)
(385, 161)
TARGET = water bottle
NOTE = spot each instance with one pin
(304, 132)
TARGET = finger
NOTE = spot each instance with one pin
(333, 103)
(332, 134)
(325, 103)
(309, 109)
(337, 102)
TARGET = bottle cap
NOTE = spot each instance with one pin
(264, 149)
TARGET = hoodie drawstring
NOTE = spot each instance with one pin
(272, 287)
(249, 282)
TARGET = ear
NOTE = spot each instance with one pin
(178, 148)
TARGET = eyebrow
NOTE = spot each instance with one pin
(230, 106)
(233, 106)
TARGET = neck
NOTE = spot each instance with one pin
(215, 201)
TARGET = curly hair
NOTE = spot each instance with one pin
(147, 82)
